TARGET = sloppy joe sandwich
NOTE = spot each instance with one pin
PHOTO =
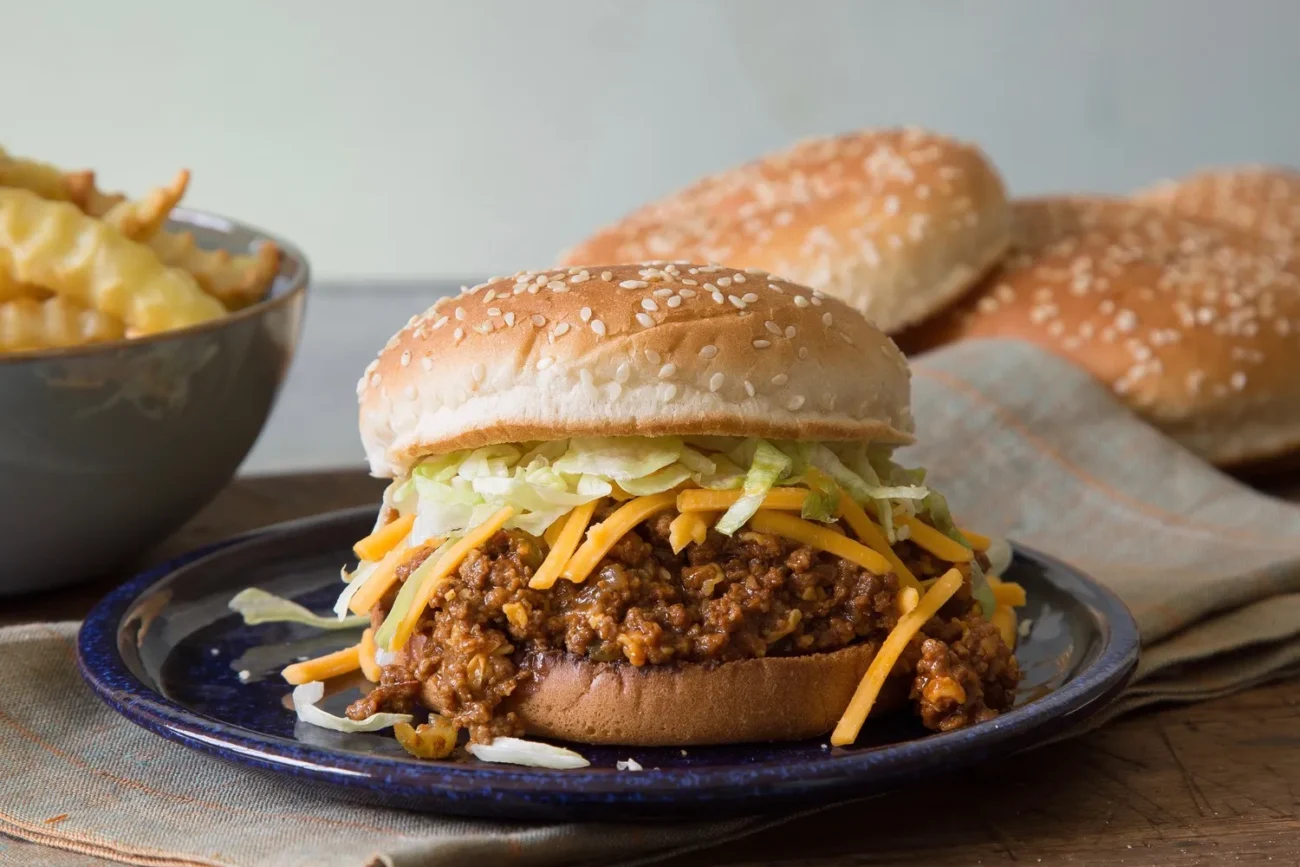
(657, 504)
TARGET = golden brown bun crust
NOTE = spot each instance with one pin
(896, 222)
(1196, 325)
(632, 349)
(1264, 200)
(776, 698)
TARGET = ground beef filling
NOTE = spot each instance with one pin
(729, 598)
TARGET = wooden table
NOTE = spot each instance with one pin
(1212, 783)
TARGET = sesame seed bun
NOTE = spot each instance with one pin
(897, 223)
(775, 698)
(1264, 200)
(1195, 325)
(651, 349)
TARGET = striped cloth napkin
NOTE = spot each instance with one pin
(1210, 568)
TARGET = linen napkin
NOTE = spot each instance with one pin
(1023, 445)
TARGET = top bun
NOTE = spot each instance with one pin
(897, 223)
(1195, 324)
(651, 349)
(1264, 200)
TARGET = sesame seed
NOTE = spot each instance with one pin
(489, 295)
(795, 402)
(738, 303)
(675, 301)
(709, 287)
(891, 205)
(816, 301)
(580, 278)
(585, 314)
(689, 282)
(460, 314)
(749, 298)
(537, 319)
(532, 289)
(1237, 380)
(724, 282)
(645, 320)
(557, 287)
(606, 276)
(708, 351)
(562, 329)
(803, 353)
(827, 319)
(405, 359)
(789, 332)
(442, 320)
(667, 370)
(800, 301)
(686, 293)
(738, 277)
(652, 356)
(667, 392)
(762, 344)
(543, 363)
(494, 311)
(780, 379)
(375, 379)
(749, 388)
(715, 381)
(615, 389)
(483, 327)
(598, 327)
(719, 297)
(1125, 321)
(649, 304)
(662, 292)
(458, 334)
(633, 284)
(510, 319)
(426, 363)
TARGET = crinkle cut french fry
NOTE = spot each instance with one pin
(236, 281)
(141, 220)
(44, 180)
(11, 289)
(91, 199)
(26, 323)
(53, 244)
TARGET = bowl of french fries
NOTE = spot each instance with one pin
(142, 345)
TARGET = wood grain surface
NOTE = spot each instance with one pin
(1212, 783)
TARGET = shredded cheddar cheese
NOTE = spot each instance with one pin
(1007, 592)
(908, 598)
(323, 667)
(378, 582)
(874, 538)
(699, 500)
(602, 536)
(566, 542)
(846, 731)
(779, 524)
(690, 527)
(1004, 618)
(557, 526)
(933, 541)
(369, 667)
(385, 539)
(978, 541)
(446, 564)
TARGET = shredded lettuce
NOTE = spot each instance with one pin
(766, 466)
(619, 458)
(354, 582)
(304, 704)
(696, 462)
(657, 482)
(405, 597)
(999, 554)
(727, 475)
(533, 754)
(941, 518)
(258, 606)
(823, 501)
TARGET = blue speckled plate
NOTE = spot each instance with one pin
(166, 653)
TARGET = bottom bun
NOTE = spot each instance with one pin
(776, 698)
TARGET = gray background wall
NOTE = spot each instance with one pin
(411, 139)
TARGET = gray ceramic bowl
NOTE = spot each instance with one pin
(105, 450)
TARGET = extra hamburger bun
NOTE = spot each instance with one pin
(769, 699)
(1196, 325)
(897, 223)
(656, 349)
(1263, 200)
